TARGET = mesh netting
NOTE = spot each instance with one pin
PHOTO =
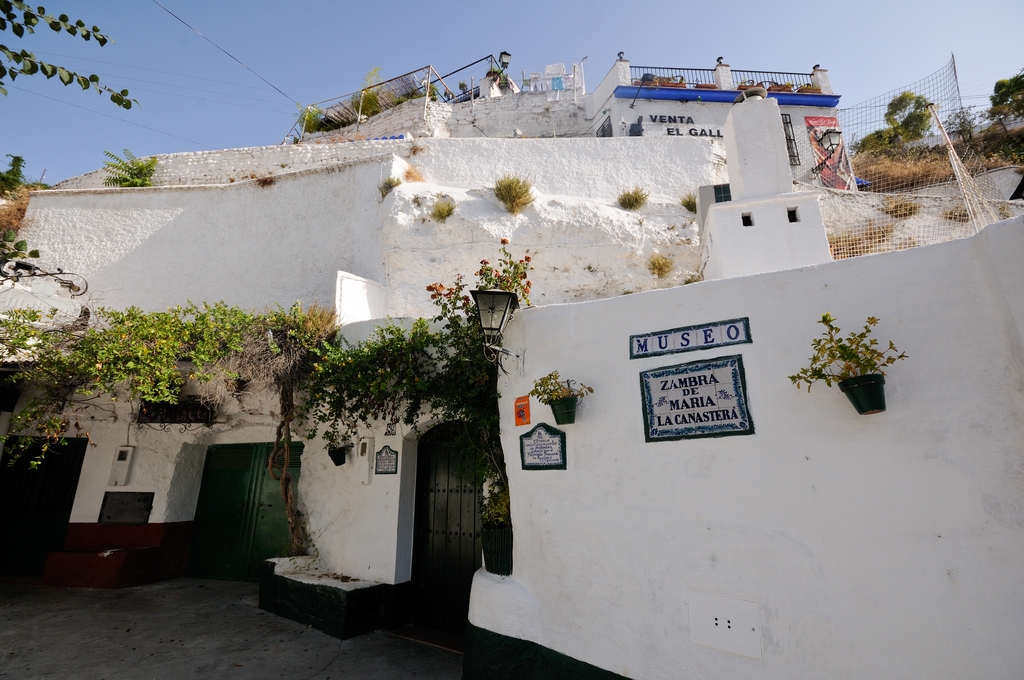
(862, 223)
(897, 146)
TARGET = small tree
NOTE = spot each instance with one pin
(908, 119)
(1008, 98)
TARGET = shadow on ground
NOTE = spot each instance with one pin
(189, 628)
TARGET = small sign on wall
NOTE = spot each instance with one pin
(386, 462)
(700, 399)
(690, 338)
(543, 448)
(522, 410)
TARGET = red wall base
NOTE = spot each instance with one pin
(119, 555)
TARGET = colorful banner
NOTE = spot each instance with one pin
(830, 162)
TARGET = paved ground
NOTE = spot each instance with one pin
(189, 628)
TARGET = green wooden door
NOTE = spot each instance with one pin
(240, 518)
(35, 505)
(446, 548)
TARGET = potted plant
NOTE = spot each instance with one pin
(746, 85)
(706, 86)
(783, 87)
(560, 395)
(496, 528)
(809, 89)
(854, 362)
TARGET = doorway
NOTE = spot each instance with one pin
(446, 546)
(35, 505)
(240, 516)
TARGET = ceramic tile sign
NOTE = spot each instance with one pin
(705, 398)
(543, 448)
(522, 410)
(386, 462)
(690, 338)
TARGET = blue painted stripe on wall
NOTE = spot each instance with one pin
(680, 94)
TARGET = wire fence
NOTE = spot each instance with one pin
(861, 223)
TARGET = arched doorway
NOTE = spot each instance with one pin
(446, 544)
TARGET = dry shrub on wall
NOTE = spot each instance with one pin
(413, 174)
(387, 185)
(443, 209)
(957, 214)
(900, 207)
(633, 199)
(12, 212)
(515, 193)
(689, 201)
(872, 238)
(659, 265)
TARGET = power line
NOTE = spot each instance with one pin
(107, 115)
(213, 101)
(154, 70)
(194, 89)
(226, 52)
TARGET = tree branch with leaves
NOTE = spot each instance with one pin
(21, 19)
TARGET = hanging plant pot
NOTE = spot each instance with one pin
(497, 550)
(564, 410)
(865, 392)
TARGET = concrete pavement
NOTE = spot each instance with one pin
(189, 628)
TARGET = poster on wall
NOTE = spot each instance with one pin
(705, 398)
(543, 448)
(830, 162)
(386, 462)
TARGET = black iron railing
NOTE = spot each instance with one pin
(696, 77)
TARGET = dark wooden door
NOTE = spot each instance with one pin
(35, 505)
(446, 548)
(240, 519)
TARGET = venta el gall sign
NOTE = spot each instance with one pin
(684, 120)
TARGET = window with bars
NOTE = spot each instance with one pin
(794, 153)
(606, 128)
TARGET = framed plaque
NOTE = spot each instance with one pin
(386, 462)
(700, 399)
(543, 448)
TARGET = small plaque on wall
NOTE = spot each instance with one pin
(700, 399)
(690, 338)
(126, 507)
(386, 462)
(543, 448)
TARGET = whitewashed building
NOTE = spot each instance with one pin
(814, 543)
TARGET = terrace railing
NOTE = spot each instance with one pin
(350, 109)
(704, 77)
(673, 77)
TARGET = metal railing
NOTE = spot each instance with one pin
(673, 77)
(351, 109)
(696, 77)
(769, 78)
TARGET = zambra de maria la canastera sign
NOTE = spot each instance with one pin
(706, 398)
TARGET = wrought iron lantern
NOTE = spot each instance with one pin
(830, 140)
(495, 309)
(645, 79)
(504, 59)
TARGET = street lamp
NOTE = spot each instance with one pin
(504, 59)
(647, 78)
(495, 309)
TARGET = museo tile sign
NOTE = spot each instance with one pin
(690, 338)
(705, 398)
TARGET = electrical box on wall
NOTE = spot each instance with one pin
(364, 456)
(121, 466)
(725, 623)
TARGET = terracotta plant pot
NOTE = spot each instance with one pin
(564, 410)
(865, 392)
(497, 545)
(706, 86)
(809, 90)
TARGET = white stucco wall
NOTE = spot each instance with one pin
(884, 546)
(255, 246)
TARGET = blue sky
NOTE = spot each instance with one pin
(193, 97)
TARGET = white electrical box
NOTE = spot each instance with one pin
(725, 623)
(121, 466)
(364, 456)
